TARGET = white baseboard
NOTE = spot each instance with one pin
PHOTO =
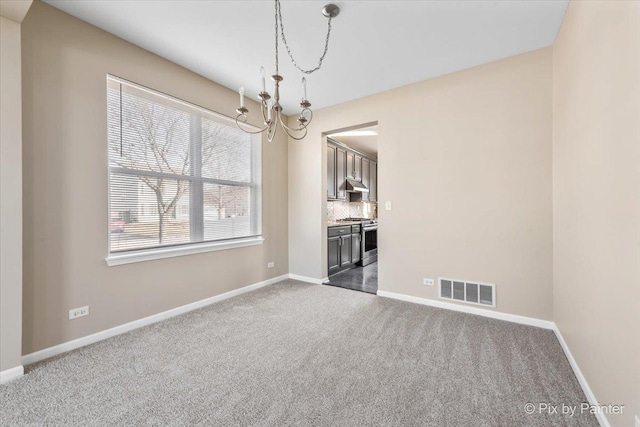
(102, 335)
(11, 374)
(531, 321)
(602, 419)
(306, 279)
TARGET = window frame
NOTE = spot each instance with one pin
(197, 182)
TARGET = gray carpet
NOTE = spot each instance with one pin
(299, 354)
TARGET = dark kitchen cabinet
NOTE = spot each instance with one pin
(350, 165)
(357, 167)
(344, 247)
(373, 181)
(366, 181)
(354, 166)
(341, 173)
(356, 241)
(331, 172)
(343, 164)
(345, 251)
(333, 247)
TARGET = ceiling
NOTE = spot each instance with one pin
(375, 45)
(364, 140)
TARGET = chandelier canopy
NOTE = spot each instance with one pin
(270, 106)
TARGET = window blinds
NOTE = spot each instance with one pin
(178, 174)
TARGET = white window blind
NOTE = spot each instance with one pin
(178, 174)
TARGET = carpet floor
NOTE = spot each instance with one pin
(300, 354)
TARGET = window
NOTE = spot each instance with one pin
(180, 176)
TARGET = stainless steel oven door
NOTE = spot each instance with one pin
(369, 245)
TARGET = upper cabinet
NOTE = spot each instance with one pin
(331, 172)
(366, 178)
(354, 166)
(373, 181)
(350, 170)
(341, 173)
(343, 164)
(357, 167)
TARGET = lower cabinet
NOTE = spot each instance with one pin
(343, 250)
(355, 248)
(333, 248)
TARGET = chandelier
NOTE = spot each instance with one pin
(270, 106)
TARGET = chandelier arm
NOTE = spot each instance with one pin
(271, 131)
(284, 41)
(285, 126)
(288, 130)
(308, 122)
(303, 126)
(263, 110)
(242, 118)
(297, 138)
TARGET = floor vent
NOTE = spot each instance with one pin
(469, 292)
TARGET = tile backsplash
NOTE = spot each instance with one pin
(339, 210)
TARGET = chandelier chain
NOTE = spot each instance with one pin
(284, 40)
(276, 33)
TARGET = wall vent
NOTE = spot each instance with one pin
(469, 292)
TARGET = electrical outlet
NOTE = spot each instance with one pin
(271, 264)
(387, 206)
(78, 312)
(428, 282)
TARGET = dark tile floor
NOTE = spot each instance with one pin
(364, 279)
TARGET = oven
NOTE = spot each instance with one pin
(369, 243)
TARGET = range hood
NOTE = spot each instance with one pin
(354, 186)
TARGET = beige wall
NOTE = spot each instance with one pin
(466, 161)
(596, 173)
(65, 63)
(10, 196)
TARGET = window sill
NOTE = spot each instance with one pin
(150, 255)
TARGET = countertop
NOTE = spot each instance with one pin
(338, 224)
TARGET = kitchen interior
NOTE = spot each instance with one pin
(352, 209)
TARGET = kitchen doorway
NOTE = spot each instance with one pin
(352, 208)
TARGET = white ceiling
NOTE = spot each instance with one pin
(366, 144)
(375, 45)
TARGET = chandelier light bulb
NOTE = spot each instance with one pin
(262, 76)
(241, 91)
(304, 88)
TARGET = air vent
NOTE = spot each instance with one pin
(469, 292)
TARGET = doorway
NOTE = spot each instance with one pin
(352, 208)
